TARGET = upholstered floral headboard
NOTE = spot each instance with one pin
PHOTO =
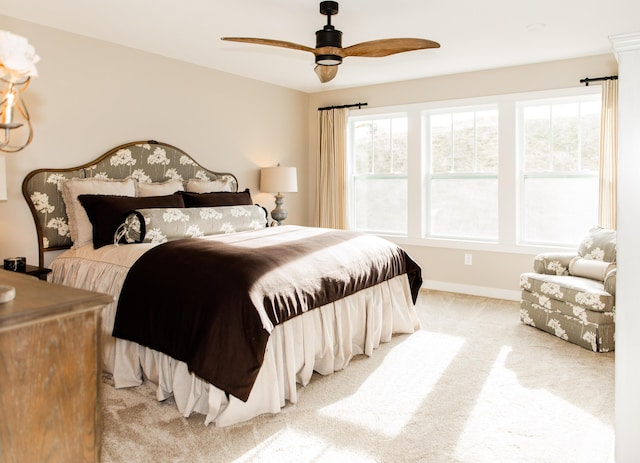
(144, 161)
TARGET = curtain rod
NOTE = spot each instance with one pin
(595, 79)
(355, 105)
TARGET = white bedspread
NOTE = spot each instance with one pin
(323, 340)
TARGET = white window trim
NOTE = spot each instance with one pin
(507, 176)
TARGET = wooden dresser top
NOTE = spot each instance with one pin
(36, 299)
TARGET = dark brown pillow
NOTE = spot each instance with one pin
(107, 212)
(217, 198)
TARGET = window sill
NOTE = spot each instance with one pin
(475, 245)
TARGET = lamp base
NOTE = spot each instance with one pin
(279, 213)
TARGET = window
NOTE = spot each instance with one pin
(379, 155)
(559, 159)
(504, 172)
(462, 178)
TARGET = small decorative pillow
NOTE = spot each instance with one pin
(599, 244)
(166, 224)
(589, 268)
(159, 188)
(80, 227)
(195, 185)
(219, 198)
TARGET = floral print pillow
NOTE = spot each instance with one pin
(599, 244)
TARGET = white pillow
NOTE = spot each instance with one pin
(80, 227)
(589, 268)
(195, 185)
(158, 189)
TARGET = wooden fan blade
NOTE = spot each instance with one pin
(386, 47)
(273, 43)
(326, 73)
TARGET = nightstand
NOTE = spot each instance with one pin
(40, 272)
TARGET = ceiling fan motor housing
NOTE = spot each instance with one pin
(328, 36)
(327, 59)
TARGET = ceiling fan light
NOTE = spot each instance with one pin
(328, 60)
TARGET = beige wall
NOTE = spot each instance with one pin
(91, 96)
(492, 273)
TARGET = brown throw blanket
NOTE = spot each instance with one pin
(213, 304)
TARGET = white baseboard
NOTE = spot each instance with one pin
(496, 293)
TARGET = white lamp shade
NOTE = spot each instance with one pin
(279, 180)
(3, 179)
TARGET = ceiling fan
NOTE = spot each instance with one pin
(329, 52)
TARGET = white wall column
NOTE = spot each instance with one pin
(627, 373)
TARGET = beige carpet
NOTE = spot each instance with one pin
(474, 385)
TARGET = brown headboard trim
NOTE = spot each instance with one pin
(146, 161)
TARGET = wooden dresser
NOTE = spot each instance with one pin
(50, 372)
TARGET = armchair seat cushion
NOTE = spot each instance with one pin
(582, 292)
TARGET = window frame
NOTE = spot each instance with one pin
(351, 162)
(429, 176)
(524, 175)
(508, 173)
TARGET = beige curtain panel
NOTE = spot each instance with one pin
(607, 209)
(331, 206)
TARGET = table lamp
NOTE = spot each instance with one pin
(277, 180)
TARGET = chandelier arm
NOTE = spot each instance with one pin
(5, 145)
(22, 84)
(7, 148)
(22, 109)
(6, 139)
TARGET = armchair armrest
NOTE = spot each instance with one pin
(553, 263)
(610, 282)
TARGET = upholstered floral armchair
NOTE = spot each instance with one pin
(572, 295)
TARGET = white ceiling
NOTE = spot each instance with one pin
(473, 34)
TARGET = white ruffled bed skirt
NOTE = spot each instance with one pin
(322, 340)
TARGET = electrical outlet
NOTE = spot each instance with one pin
(468, 259)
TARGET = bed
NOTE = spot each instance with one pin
(211, 305)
